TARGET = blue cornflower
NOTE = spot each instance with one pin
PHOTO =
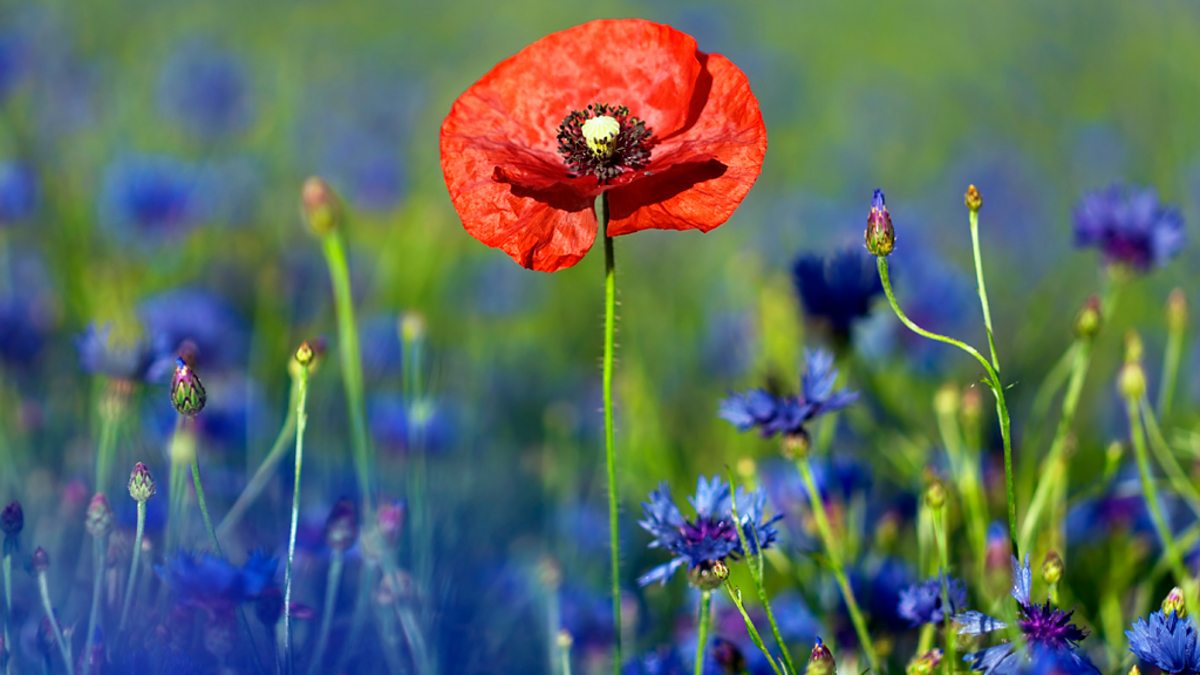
(213, 583)
(207, 90)
(787, 415)
(921, 603)
(102, 354)
(838, 289)
(18, 192)
(198, 322)
(153, 196)
(1050, 637)
(712, 536)
(1129, 226)
(662, 661)
(1166, 641)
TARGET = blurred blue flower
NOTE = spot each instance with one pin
(1167, 642)
(1129, 226)
(363, 126)
(662, 661)
(207, 90)
(839, 289)
(1049, 634)
(18, 192)
(198, 323)
(587, 616)
(921, 603)
(730, 342)
(12, 61)
(212, 583)
(29, 309)
(100, 353)
(382, 352)
(713, 535)
(787, 415)
(146, 198)
(397, 425)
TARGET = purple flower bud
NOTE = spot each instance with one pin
(141, 483)
(187, 392)
(41, 560)
(12, 519)
(99, 519)
(880, 236)
(341, 529)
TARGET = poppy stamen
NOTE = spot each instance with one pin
(603, 140)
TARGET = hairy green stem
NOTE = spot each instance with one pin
(203, 503)
(301, 423)
(133, 565)
(610, 462)
(1178, 478)
(351, 362)
(835, 561)
(997, 390)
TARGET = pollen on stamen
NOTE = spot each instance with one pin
(599, 133)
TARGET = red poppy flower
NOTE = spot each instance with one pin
(630, 107)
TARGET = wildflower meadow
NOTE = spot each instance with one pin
(642, 338)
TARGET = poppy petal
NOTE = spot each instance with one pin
(699, 176)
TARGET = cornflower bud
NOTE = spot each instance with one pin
(141, 483)
(820, 661)
(187, 392)
(708, 576)
(1174, 603)
(341, 528)
(99, 519)
(1052, 568)
(973, 199)
(321, 206)
(880, 235)
(1177, 311)
(41, 560)
(1087, 323)
(925, 664)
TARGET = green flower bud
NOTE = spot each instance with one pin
(141, 483)
(708, 576)
(1052, 568)
(187, 392)
(321, 207)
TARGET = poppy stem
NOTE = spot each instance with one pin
(131, 584)
(702, 629)
(301, 423)
(610, 319)
(993, 382)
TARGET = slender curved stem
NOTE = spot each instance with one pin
(942, 532)
(264, 473)
(610, 463)
(1050, 474)
(133, 565)
(736, 596)
(332, 581)
(1172, 356)
(997, 390)
(973, 217)
(702, 629)
(98, 548)
(755, 563)
(48, 607)
(203, 503)
(835, 561)
(1179, 479)
(1150, 492)
(351, 361)
(301, 423)
(109, 419)
(8, 643)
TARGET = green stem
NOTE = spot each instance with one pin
(702, 629)
(351, 361)
(98, 548)
(301, 423)
(1051, 471)
(8, 643)
(983, 297)
(997, 390)
(942, 532)
(1150, 492)
(736, 596)
(48, 607)
(203, 503)
(1179, 480)
(264, 473)
(835, 561)
(755, 563)
(109, 419)
(966, 470)
(133, 565)
(610, 463)
(1172, 357)
(564, 652)
(332, 581)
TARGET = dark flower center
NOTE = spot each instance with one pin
(709, 529)
(604, 141)
(1049, 626)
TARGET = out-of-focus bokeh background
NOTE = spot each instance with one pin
(151, 156)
